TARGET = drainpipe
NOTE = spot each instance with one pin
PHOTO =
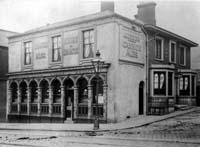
(147, 67)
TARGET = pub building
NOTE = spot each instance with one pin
(51, 77)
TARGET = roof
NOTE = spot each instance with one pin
(4, 34)
(79, 20)
(167, 33)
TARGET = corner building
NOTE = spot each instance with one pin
(51, 78)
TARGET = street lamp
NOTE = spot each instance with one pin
(97, 62)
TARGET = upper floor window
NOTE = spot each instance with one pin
(159, 48)
(182, 55)
(56, 48)
(172, 52)
(28, 53)
(88, 43)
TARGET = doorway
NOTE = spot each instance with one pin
(141, 98)
(69, 99)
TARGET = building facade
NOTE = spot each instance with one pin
(146, 70)
(3, 70)
(51, 78)
(171, 80)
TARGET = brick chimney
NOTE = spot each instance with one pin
(107, 5)
(146, 13)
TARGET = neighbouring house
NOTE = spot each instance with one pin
(4, 34)
(171, 81)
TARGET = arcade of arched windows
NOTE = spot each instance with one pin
(51, 96)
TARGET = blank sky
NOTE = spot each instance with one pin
(181, 17)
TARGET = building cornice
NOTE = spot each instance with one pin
(76, 70)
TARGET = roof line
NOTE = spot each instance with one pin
(75, 21)
(8, 31)
(171, 33)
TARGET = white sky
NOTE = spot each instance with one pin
(181, 17)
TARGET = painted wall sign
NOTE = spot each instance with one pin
(70, 43)
(71, 48)
(131, 45)
(40, 58)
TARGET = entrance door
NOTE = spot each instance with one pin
(141, 98)
(69, 99)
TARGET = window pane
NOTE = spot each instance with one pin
(56, 47)
(158, 48)
(92, 37)
(27, 53)
(182, 55)
(159, 83)
(170, 84)
(193, 85)
(185, 85)
(88, 44)
(86, 51)
(172, 52)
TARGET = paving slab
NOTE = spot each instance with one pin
(135, 122)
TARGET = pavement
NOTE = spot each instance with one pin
(141, 120)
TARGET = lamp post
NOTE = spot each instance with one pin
(97, 63)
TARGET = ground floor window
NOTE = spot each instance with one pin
(187, 85)
(163, 83)
(159, 83)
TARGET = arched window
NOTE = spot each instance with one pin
(24, 92)
(56, 91)
(13, 89)
(34, 91)
(100, 89)
(45, 91)
(82, 90)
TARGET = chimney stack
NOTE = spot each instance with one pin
(107, 6)
(146, 13)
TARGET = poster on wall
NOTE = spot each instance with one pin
(131, 45)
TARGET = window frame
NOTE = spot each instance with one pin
(162, 48)
(58, 48)
(30, 53)
(182, 46)
(170, 51)
(188, 86)
(166, 71)
(82, 43)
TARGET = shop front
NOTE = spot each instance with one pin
(66, 95)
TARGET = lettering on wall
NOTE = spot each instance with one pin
(131, 45)
(40, 56)
(70, 43)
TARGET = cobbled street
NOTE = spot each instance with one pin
(180, 131)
